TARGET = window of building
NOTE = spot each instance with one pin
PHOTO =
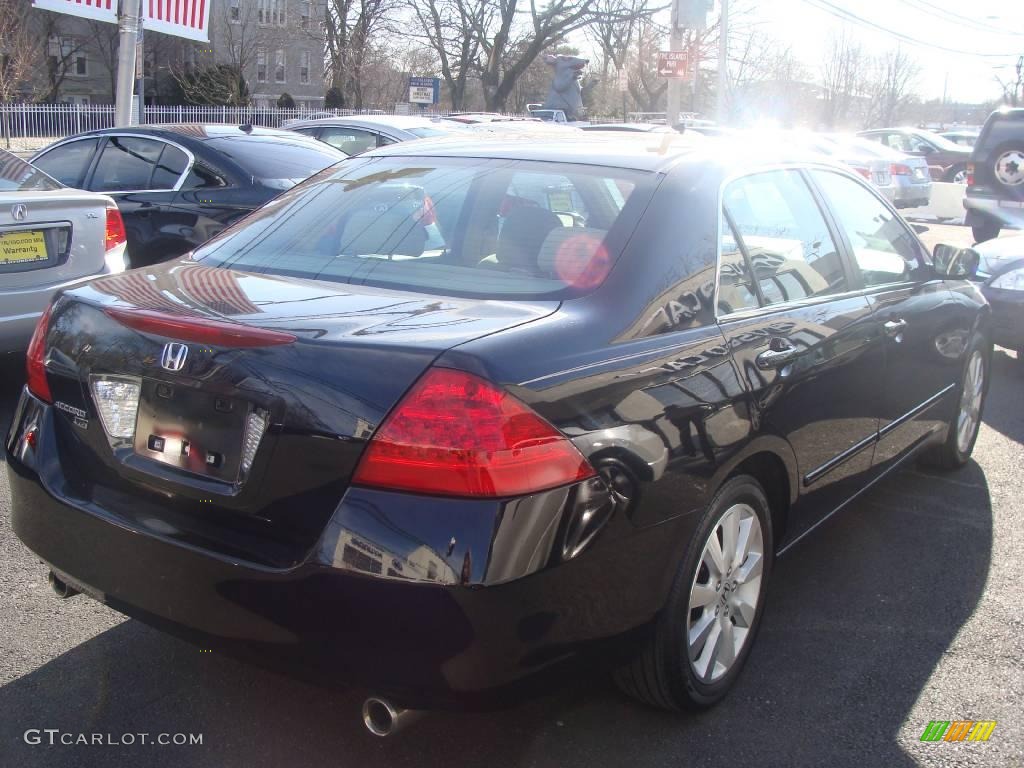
(81, 66)
(271, 12)
(261, 65)
(304, 68)
(234, 12)
(307, 12)
(279, 67)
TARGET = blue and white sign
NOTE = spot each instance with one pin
(424, 90)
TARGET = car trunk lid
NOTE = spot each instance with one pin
(51, 237)
(255, 394)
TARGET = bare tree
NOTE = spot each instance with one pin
(18, 50)
(843, 78)
(450, 29)
(103, 43)
(51, 30)
(619, 29)
(351, 27)
(891, 87)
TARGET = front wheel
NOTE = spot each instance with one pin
(707, 628)
(957, 174)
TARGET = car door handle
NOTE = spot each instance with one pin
(893, 328)
(780, 353)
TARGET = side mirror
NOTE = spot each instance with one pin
(925, 149)
(951, 261)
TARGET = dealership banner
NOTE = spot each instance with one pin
(181, 18)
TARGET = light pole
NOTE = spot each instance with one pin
(723, 62)
(129, 21)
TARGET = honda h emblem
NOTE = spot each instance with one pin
(19, 211)
(173, 357)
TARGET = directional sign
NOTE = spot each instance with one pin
(674, 64)
(623, 80)
(424, 90)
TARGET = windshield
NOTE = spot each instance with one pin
(424, 133)
(468, 227)
(280, 162)
(18, 176)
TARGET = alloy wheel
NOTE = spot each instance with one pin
(970, 402)
(725, 593)
(960, 177)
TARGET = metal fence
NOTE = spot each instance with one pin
(25, 127)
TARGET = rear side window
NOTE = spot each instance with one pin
(126, 164)
(883, 248)
(783, 235)
(276, 161)
(169, 167)
(68, 163)
(351, 141)
(466, 227)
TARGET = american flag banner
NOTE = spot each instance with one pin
(181, 18)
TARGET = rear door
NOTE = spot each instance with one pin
(800, 333)
(142, 174)
(911, 309)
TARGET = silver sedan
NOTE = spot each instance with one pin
(51, 237)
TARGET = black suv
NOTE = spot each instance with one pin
(995, 182)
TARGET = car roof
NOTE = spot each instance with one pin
(657, 152)
(403, 122)
(195, 131)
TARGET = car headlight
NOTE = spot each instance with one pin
(1010, 281)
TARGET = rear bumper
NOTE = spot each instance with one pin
(20, 309)
(1007, 316)
(479, 635)
(911, 195)
(1009, 213)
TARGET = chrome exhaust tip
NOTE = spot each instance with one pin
(60, 588)
(382, 718)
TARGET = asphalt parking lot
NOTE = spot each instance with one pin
(904, 608)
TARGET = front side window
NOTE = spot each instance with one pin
(884, 249)
(68, 163)
(126, 164)
(784, 237)
(458, 227)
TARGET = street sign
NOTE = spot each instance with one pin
(674, 64)
(424, 90)
(623, 80)
(181, 18)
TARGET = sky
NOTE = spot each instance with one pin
(973, 27)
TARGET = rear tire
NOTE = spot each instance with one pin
(986, 229)
(965, 423)
(957, 174)
(705, 632)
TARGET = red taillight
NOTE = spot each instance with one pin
(970, 174)
(198, 329)
(115, 229)
(455, 434)
(865, 172)
(898, 169)
(35, 370)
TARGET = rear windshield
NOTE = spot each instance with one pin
(463, 227)
(18, 176)
(280, 162)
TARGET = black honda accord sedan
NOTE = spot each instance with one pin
(450, 414)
